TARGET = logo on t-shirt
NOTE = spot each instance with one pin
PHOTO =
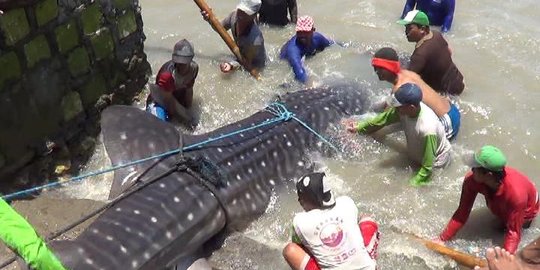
(331, 235)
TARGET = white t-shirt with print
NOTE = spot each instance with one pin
(333, 236)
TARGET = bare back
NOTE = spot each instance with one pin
(439, 104)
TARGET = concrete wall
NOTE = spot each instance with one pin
(61, 62)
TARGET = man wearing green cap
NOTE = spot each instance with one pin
(510, 195)
(431, 58)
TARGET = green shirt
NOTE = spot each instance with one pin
(20, 236)
(426, 139)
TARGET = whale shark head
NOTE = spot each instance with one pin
(177, 210)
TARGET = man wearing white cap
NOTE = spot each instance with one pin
(306, 42)
(246, 34)
(328, 235)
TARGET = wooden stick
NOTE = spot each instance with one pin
(461, 258)
(213, 20)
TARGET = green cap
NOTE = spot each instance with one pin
(490, 158)
(415, 16)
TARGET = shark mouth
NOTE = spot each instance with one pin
(165, 214)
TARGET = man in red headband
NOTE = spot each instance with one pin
(386, 65)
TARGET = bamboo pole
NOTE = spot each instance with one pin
(461, 258)
(212, 19)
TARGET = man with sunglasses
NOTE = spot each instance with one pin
(510, 196)
(426, 139)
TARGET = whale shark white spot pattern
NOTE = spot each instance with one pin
(272, 182)
(136, 212)
(127, 229)
(152, 146)
(190, 216)
(263, 164)
(250, 171)
(89, 261)
(123, 136)
(220, 150)
(80, 250)
(95, 231)
(289, 144)
(146, 255)
(134, 264)
(248, 196)
(238, 177)
(109, 238)
(161, 185)
(242, 157)
(229, 163)
(176, 200)
(153, 219)
(123, 249)
(254, 149)
(168, 234)
(234, 202)
(301, 164)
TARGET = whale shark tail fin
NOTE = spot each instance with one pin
(131, 134)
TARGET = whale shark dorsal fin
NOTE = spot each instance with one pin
(131, 134)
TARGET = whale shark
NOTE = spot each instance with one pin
(171, 205)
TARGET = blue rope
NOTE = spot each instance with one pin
(278, 109)
(281, 111)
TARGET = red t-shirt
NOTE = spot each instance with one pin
(169, 81)
(515, 202)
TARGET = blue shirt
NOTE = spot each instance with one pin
(439, 12)
(293, 52)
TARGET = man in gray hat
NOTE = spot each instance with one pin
(426, 139)
(246, 34)
(172, 94)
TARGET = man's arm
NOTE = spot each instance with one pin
(383, 119)
(293, 10)
(291, 52)
(19, 235)
(227, 22)
(430, 148)
(163, 94)
(514, 224)
(449, 7)
(409, 5)
(468, 195)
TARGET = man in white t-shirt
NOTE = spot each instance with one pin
(328, 235)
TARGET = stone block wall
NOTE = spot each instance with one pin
(61, 62)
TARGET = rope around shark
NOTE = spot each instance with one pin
(278, 109)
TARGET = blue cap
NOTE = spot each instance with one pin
(406, 94)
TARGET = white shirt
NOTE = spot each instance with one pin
(333, 236)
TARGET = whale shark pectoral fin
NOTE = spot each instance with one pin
(131, 134)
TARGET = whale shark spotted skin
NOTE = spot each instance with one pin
(170, 218)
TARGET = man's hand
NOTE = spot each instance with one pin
(205, 15)
(437, 240)
(350, 125)
(225, 67)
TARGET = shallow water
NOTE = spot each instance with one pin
(495, 45)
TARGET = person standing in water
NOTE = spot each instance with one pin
(246, 34)
(439, 12)
(274, 12)
(431, 58)
(306, 42)
(172, 94)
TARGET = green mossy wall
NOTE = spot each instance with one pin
(61, 62)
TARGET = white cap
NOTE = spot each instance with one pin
(249, 7)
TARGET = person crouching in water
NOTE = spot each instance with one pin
(172, 94)
(328, 235)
